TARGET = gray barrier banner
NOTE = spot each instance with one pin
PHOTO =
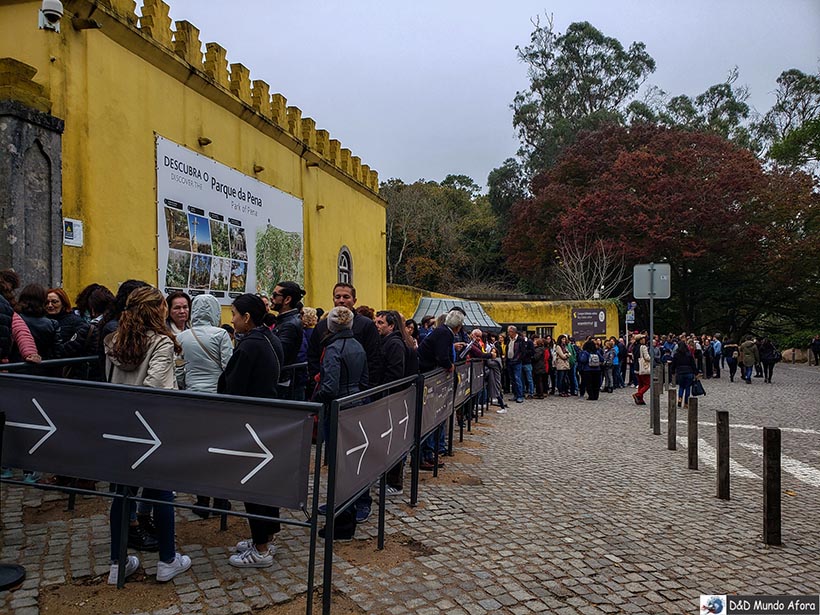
(372, 438)
(463, 384)
(220, 446)
(438, 400)
(477, 384)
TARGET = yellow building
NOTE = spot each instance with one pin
(126, 87)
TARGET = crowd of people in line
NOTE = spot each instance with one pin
(144, 338)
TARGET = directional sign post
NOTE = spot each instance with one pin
(245, 449)
(371, 439)
(438, 400)
(652, 281)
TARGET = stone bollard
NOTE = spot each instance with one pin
(672, 421)
(771, 486)
(692, 433)
(723, 454)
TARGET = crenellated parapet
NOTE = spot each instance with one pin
(184, 42)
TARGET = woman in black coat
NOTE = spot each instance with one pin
(253, 371)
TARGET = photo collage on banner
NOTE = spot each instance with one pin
(220, 231)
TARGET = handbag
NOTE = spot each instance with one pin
(697, 388)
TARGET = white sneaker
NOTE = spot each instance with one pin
(390, 490)
(131, 565)
(243, 545)
(501, 411)
(168, 570)
(251, 559)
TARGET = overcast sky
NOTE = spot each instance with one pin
(422, 88)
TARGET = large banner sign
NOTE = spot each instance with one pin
(222, 232)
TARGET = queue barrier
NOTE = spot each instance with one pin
(164, 438)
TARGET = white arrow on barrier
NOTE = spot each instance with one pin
(389, 431)
(406, 419)
(359, 448)
(266, 456)
(155, 441)
(50, 429)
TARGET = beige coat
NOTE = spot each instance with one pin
(156, 369)
(561, 358)
(644, 363)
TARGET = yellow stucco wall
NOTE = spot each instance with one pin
(117, 86)
(405, 299)
(556, 314)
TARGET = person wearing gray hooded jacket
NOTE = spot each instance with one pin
(206, 347)
(206, 350)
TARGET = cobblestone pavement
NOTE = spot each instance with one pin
(581, 510)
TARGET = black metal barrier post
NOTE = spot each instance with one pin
(771, 486)
(330, 516)
(723, 454)
(415, 459)
(11, 575)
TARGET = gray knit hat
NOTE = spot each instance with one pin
(339, 318)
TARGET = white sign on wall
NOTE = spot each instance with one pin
(220, 231)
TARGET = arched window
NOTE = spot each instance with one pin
(345, 266)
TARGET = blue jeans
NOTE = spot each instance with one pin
(563, 380)
(528, 381)
(573, 380)
(163, 519)
(514, 368)
(747, 372)
(685, 386)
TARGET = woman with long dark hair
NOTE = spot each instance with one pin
(253, 371)
(141, 353)
(685, 368)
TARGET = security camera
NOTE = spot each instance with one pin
(51, 12)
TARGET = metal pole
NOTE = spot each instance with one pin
(655, 402)
(771, 486)
(672, 421)
(415, 459)
(723, 454)
(692, 433)
(382, 500)
(651, 347)
(332, 440)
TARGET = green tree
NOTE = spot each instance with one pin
(797, 102)
(507, 185)
(721, 109)
(579, 79)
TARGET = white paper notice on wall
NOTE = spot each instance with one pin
(73, 232)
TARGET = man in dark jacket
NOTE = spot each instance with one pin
(363, 330)
(439, 348)
(398, 364)
(287, 301)
(516, 348)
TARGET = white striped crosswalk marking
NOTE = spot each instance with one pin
(798, 469)
(801, 430)
(708, 455)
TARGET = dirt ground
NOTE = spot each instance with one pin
(342, 605)
(92, 596)
(57, 510)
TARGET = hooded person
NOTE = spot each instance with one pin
(206, 350)
(206, 347)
